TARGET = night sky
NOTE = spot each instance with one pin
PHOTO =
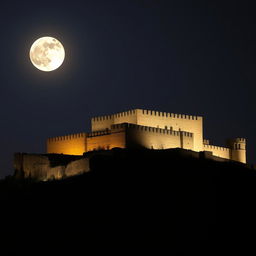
(189, 57)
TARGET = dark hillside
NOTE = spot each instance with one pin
(136, 198)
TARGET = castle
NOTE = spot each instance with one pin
(148, 129)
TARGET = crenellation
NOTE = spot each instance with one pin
(145, 112)
(154, 129)
(215, 147)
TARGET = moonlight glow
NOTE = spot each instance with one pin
(47, 53)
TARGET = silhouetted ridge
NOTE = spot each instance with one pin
(138, 197)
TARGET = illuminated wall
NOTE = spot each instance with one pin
(145, 128)
(218, 151)
(104, 122)
(74, 144)
(192, 124)
(238, 149)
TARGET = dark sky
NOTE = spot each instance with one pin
(190, 57)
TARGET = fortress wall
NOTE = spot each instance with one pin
(105, 122)
(192, 124)
(32, 166)
(218, 151)
(187, 140)
(106, 140)
(77, 167)
(126, 117)
(239, 155)
(39, 167)
(74, 144)
(156, 138)
(101, 123)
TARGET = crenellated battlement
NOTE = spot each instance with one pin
(214, 148)
(67, 137)
(125, 113)
(123, 126)
(111, 117)
(169, 115)
(102, 118)
(146, 112)
(147, 128)
(98, 133)
(151, 129)
(239, 140)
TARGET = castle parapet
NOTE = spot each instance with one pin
(115, 127)
(72, 144)
(215, 148)
(98, 133)
(169, 115)
(67, 137)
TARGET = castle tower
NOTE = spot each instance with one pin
(155, 119)
(237, 149)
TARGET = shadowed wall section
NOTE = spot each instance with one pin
(156, 138)
(132, 136)
(106, 139)
(46, 167)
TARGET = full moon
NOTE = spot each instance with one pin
(47, 53)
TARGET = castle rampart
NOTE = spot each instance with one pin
(73, 144)
(47, 167)
(218, 151)
(157, 138)
(106, 139)
(132, 135)
(149, 129)
(156, 119)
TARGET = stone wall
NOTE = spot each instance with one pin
(145, 128)
(74, 144)
(156, 119)
(156, 138)
(106, 140)
(47, 167)
(218, 151)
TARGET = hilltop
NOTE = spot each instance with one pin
(145, 198)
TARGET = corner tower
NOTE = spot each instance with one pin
(237, 149)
